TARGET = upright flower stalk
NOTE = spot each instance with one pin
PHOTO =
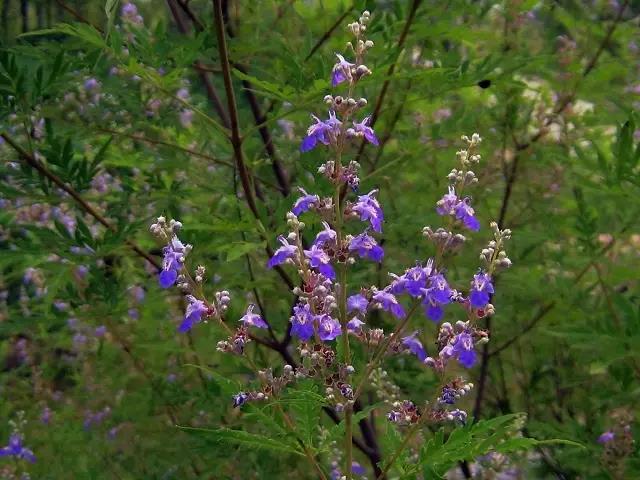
(329, 309)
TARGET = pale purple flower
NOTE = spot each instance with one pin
(304, 203)
(447, 204)
(366, 247)
(368, 208)
(606, 437)
(282, 254)
(302, 322)
(17, 449)
(387, 301)
(186, 118)
(413, 344)
(251, 319)
(357, 302)
(481, 290)
(321, 131)
(193, 314)
(354, 325)
(174, 254)
(328, 328)
(341, 71)
(100, 331)
(366, 131)
(319, 259)
(91, 84)
(325, 236)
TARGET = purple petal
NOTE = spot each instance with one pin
(308, 143)
(167, 278)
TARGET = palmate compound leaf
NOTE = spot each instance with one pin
(500, 434)
(246, 440)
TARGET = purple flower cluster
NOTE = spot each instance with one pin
(17, 450)
(461, 209)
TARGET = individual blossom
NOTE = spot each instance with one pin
(355, 325)
(304, 203)
(282, 254)
(319, 259)
(481, 290)
(341, 71)
(328, 328)
(368, 208)
(606, 437)
(358, 303)
(387, 301)
(461, 348)
(195, 309)
(439, 293)
(323, 131)
(465, 213)
(174, 254)
(447, 204)
(251, 319)
(414, 345)
(17, 450)
(363, 129)
(302, 322)
(325, 236)
(366, 247)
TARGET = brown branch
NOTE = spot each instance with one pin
(326, 35)
(77, 15)
(45, 172)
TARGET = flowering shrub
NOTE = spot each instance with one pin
(296, 314)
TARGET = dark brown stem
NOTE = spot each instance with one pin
(326, 35)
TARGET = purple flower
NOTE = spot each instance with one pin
(304, 203)
(45, 417)
(466, 213)
(251, 319)
(413, 344)
(174, 254)
(481, 290)
(366, 247)
(447, 204)
(439, 293)
(369, 210)
(321, 131)
(328, 328)
(388, 302)
(365, 130)
(327, 235)
(357, 302)
(415, 280)
(462, 349)
(240, 399)
(302, 322)
(100, 331)
(193, 314)
(17, 450)
(91, 84)
(606, 437)
(319, 260)
(341, 71)
(354, 325)
(281, 255)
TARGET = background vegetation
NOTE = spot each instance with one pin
(129, 114)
